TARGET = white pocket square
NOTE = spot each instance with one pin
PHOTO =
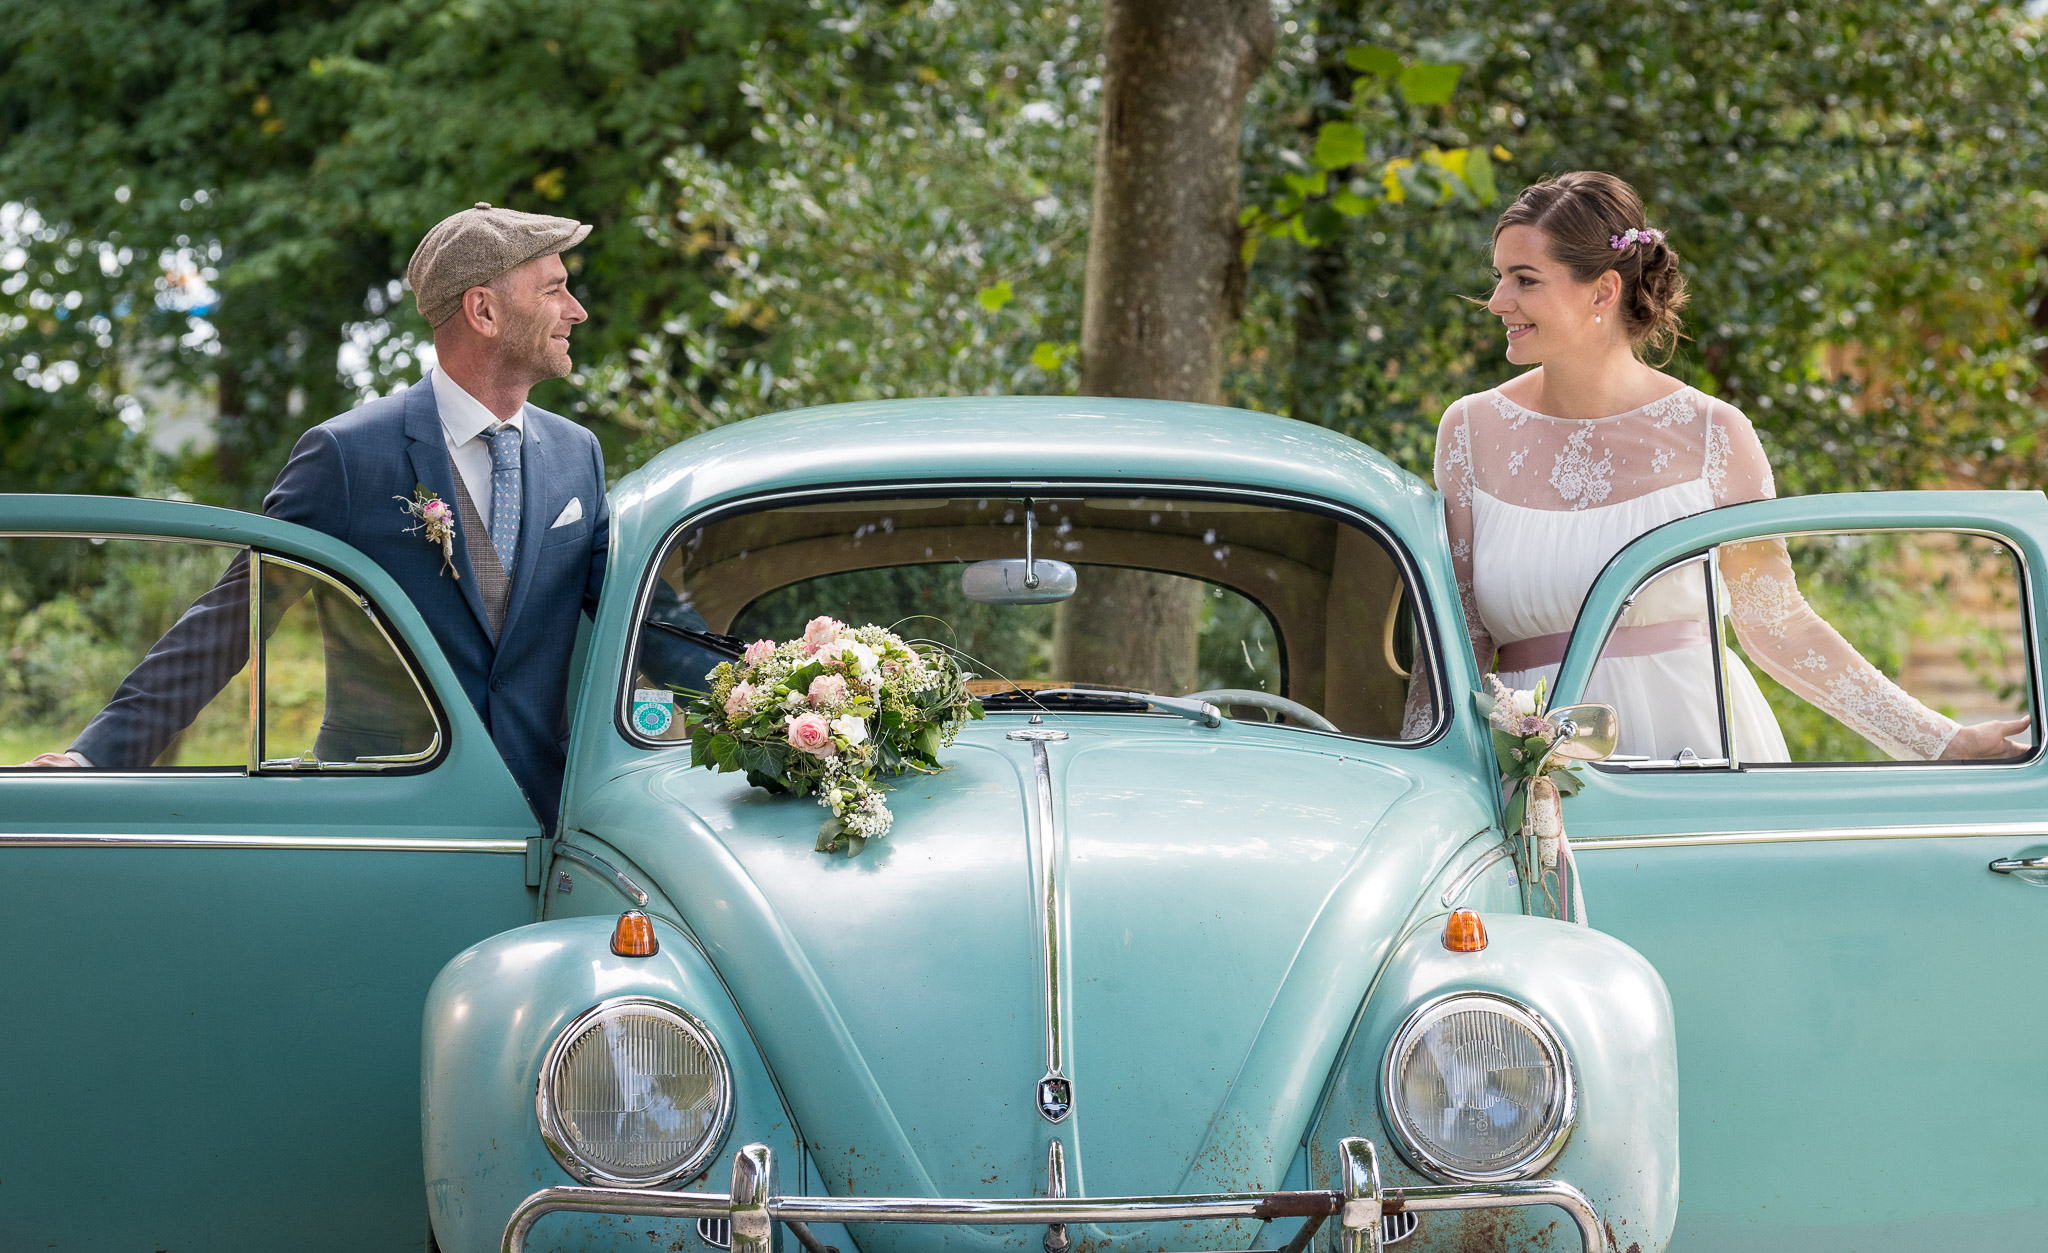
(571, 512)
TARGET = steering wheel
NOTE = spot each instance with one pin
(1265, 700)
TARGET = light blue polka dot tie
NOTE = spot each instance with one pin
(504, 440)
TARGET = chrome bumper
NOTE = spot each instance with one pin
(758, 1212)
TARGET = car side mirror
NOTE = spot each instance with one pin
(1586, 732)
(1018, 581)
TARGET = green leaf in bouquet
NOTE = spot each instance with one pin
(772, 784)
(700, 747)
(975, 711)
(928, 741)
(800, 678)
(1568, 783)
(854, 844)
(1504, 752)
(1518, 804)
(830, 832)
(759, 759)
(725, 750)
(891, 719)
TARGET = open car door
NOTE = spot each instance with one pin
(1850, 939)
(219, 936)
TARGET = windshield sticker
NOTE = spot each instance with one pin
(653, 712)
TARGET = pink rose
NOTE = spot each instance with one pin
(736, 700)
(759, 651)
(828, 654)
(827, 689)
(437, 511)
(821, 631)
(810, 733)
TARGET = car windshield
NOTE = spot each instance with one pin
(1272, 613)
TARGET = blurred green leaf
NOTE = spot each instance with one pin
(993, 298)
(1429, 84)
(1339, 144)
(1373, 60)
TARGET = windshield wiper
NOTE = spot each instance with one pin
(729, 644)
(1081, 699)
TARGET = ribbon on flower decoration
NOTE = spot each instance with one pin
(1536, 752)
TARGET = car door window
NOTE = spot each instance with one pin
(133, 654)
(1875, 647)
(336, 693)
(78, 613)
(1880, 646)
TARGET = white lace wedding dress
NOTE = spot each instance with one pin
(1537, 505)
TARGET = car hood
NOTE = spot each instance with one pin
(1228, 895)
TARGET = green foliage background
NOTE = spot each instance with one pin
(802, 201)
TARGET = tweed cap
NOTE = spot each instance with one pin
(472, 247)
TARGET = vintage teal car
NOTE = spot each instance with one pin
(1209, 938)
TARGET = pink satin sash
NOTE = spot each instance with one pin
(1635, 641)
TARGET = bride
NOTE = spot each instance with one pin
(1550, 474)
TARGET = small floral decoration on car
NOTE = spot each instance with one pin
(1523, 736)
(833, 713)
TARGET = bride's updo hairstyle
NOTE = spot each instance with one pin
(1581, 214)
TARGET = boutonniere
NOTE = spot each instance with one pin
(433, 521)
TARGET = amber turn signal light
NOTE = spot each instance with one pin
(634, 936)
(1463, 932)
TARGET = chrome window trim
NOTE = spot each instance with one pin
(2028, 629)
(557, 1139)
(348, 843)
(1808, 835)
(1404, 562)
(1563, 1115)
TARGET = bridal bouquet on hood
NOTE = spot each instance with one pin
(834, 713)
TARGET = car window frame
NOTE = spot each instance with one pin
(1730, 764)
(252, 767)
(1336, 511)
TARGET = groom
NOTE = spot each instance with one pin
(527, 488)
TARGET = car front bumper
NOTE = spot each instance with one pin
(758, 1211)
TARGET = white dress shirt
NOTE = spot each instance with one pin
(463, 423)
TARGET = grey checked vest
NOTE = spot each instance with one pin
(493, 583)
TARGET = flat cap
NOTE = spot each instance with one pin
(472, 247)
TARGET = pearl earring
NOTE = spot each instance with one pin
(1596, 318)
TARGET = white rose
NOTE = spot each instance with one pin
(850, 727)
(1525, 702)
(794, 700)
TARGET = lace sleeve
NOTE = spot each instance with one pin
(1782, 633)
(1456, 480)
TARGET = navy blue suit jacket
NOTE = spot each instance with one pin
(343, 478)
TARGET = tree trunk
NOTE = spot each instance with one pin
(1164, 283)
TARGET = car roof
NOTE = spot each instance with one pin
(1017, 439)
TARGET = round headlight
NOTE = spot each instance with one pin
(634, 1092)
(1478, 1089)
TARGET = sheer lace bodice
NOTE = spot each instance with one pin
(1537, 505)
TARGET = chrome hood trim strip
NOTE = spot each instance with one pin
(1055, 1091)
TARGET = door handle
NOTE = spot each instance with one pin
(2006, 865)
